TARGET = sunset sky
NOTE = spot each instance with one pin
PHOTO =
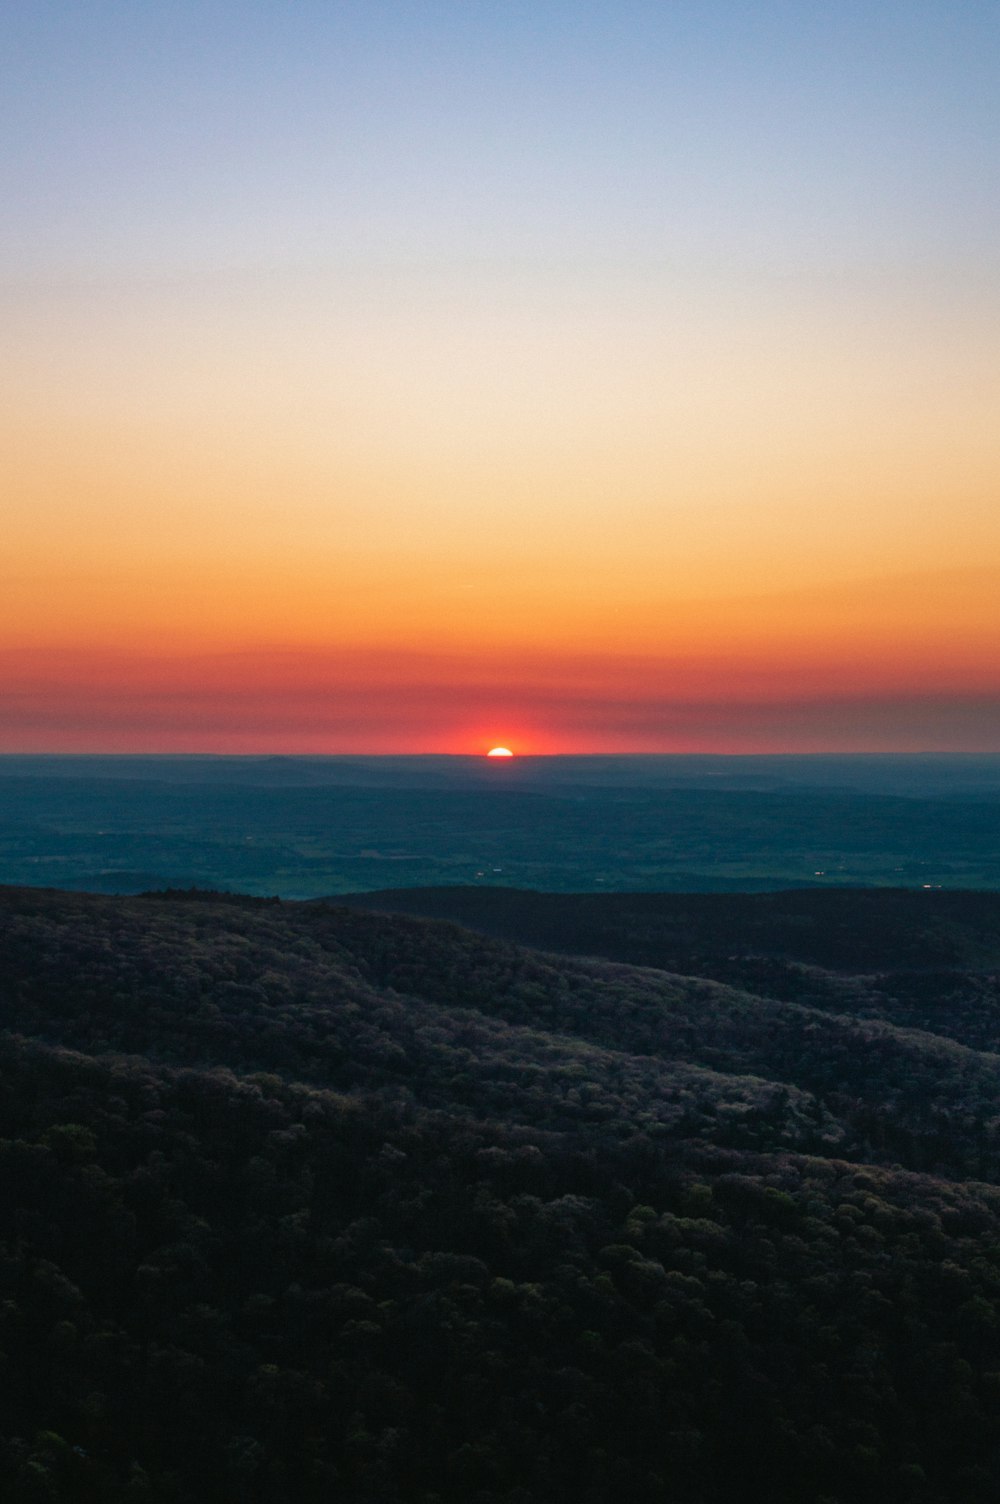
(422, 375)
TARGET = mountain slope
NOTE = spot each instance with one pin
(301, 1202)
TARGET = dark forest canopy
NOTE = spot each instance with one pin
(301, 1202)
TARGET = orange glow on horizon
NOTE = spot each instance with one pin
(324, 701)
(378, 383)
(902, 663)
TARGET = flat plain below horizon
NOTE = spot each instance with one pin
(309, 827)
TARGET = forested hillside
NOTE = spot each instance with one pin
(300, 1202)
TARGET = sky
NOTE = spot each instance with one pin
(417, 375)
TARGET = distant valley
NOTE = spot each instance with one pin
(310, 827)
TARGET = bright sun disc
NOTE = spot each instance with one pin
(499, 752)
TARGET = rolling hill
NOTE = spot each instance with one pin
(699, 1200)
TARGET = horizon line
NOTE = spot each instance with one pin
(516, 757)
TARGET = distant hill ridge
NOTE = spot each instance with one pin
(850, 928)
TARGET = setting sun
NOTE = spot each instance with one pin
(499, 752)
